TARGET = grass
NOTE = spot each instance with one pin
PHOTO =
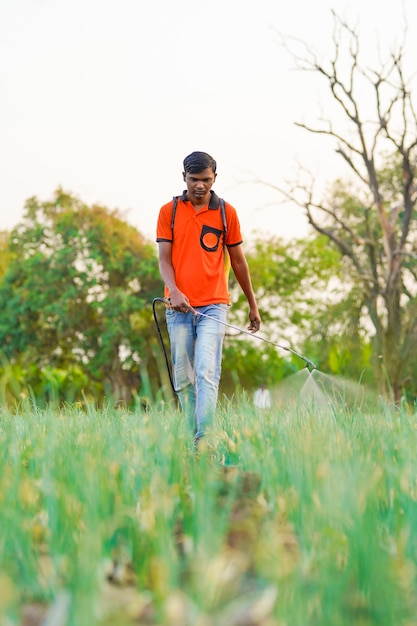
(297, 517)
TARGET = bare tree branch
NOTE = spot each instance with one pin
(378, 240)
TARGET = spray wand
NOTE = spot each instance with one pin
(307, 361)
(309, 364)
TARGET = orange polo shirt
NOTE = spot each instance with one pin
(198, 258)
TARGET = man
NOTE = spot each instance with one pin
(194, 252)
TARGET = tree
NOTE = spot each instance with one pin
(4, 251)
(78, 285)
(301, 292)
(292, 285)
(373, 221)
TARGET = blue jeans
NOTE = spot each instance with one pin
(196, 353)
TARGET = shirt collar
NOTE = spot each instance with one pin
(213, 203)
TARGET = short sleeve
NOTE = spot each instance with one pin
(233, 234)
(163, 227)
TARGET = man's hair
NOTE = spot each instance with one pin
(198, 161)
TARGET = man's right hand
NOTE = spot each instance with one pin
(179, 302)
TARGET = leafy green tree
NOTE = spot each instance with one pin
(308, 303)
(246, 366)
(4, 252)
(77, 286)
(372, 218)
(289, 279)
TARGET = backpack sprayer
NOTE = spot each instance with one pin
(309, 364)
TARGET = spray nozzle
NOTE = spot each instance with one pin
(309, 365)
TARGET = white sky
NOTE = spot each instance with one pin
(106, 98)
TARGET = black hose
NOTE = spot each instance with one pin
(155, 300)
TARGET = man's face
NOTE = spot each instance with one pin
(199, 185)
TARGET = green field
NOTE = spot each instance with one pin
(299, 517)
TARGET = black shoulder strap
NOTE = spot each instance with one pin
(222, 209)
(174, 210)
